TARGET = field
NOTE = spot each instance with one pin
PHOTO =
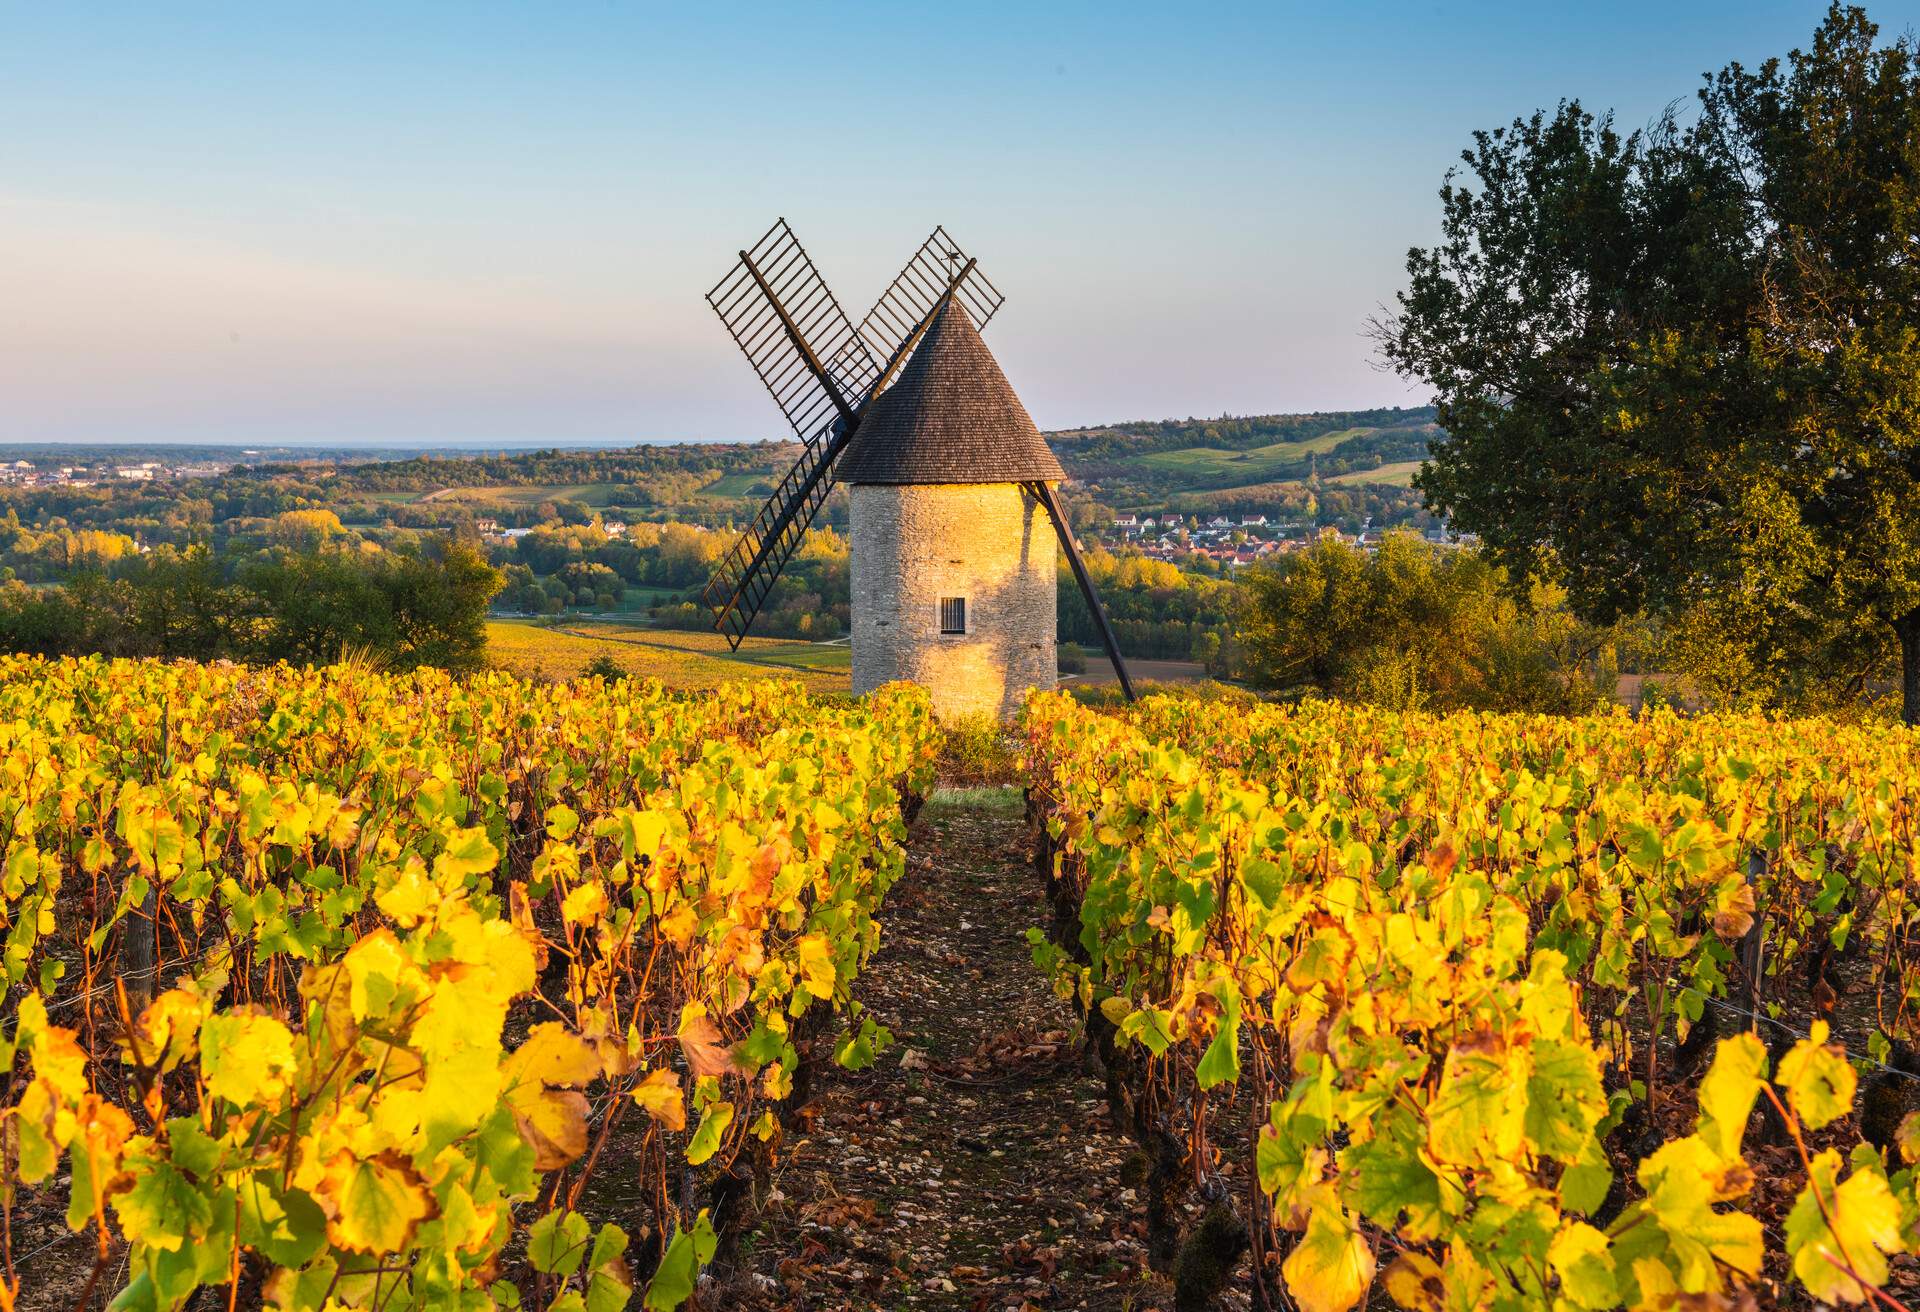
(740, 485)
(1402, 980)
(1210, 465)
(343, 1005)
(596, 495)
(688, 660)
(496, 992)
(1398, 474)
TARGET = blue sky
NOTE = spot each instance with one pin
(474, 224)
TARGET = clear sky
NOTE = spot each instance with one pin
(469, 224)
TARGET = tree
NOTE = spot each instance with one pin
(603, 666)
(1411, 627)
(306, 530)
(1682, 367)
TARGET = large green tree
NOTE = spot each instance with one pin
(1411, 626)
(1680, 368)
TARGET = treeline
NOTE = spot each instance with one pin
(1409, 627)
(1158, 611)
(558, 565)
(1318, 504)
(400, 609)
(1232, 433)
(636, 464)
(810, 599)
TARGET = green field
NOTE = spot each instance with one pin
(638, 600)
(1399, 474)
(740, 485)
(819, 657)
(1250, 466)
(678, 659)
(587, 494)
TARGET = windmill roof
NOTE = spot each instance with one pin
(951, 417)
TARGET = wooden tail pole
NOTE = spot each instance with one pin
(1045, 495)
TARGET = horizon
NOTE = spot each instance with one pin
(523, 446)
(458, 227)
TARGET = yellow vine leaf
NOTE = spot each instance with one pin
(553, 1054)
(552, 1120)
(373, 1205)
(584, 905)
(554, 1124)
(1331, 1267)
(1727, 1093)
(166, 1033)
(659, 1093)
(1415, 1282)
(1865, 1228)
(816, 965)
(468, 852)
(411, 896)
(1818, 1080)
(246, 1058)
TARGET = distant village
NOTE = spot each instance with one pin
(25, 473)
(1236, 542)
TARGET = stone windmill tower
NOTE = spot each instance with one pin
(951, 485)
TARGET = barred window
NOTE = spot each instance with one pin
(953, 614)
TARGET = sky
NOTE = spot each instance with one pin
(472, 224)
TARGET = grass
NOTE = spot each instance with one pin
(679, 660)
(811, 656)
(1001, 800)
(1253, 465)
(1399, 474)
(598, 495)
(739, 485)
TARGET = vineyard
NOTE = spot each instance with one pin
(329, 988)
(1497, 1012)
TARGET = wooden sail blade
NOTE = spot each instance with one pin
(793, 332)
(939, 266)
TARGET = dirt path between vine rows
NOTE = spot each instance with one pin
(974, 1166)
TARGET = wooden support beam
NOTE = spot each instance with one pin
(1047, 497)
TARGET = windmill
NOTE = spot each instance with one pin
(952, 586)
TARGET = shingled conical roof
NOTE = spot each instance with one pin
(951, 417)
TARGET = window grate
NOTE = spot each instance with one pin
(953, 615)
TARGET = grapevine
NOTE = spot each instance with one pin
(339, 987)
(1473, 971)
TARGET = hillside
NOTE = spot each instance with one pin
(1150, 461)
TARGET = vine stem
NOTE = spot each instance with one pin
(1845, 1260)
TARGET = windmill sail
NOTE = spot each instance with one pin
(794, 333)
(822, 373)
(747, 573)
(912, 295)
(818, 369)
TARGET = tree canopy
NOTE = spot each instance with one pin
(1412, 627)
(1680, 368)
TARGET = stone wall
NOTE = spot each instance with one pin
(988, 542)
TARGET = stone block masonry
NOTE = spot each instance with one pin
(911, 546)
